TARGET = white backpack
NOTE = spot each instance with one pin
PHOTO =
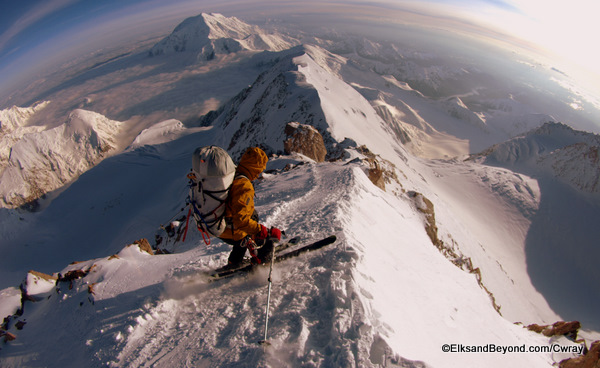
(212, 173)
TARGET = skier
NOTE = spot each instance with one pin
(243, 229)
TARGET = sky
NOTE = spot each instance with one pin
(36, 34)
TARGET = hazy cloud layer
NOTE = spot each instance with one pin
(569, 27)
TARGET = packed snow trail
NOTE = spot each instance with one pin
(221, 323)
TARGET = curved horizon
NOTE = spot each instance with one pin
(36, 38)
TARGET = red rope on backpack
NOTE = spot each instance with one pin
(205, 235)
(187, 222)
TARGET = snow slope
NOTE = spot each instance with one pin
(303, 87)
(98, 212)
(556, 149)
(494, 213)
(561, 242)
(444, 107)
(159, 133)
(486, 212)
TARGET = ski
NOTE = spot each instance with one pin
(248, 266)
(307, 248)
(278, 248)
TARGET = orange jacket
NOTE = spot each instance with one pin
(240, 201)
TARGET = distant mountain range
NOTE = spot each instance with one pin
(283, 94)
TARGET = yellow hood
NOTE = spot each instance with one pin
(253, 162)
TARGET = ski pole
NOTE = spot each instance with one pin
(265, 341)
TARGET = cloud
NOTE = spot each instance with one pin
(40, 11)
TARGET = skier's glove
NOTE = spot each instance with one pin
(273, 233)
(263, 233)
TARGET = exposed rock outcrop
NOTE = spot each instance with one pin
(560, 328)
(380, 171)
(144, 246)
(590, 360)
(306, 140)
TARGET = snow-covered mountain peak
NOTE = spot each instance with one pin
(226, 27)
(162, 132)
(212, 34)
(46, 160)
(553, 148)
(100, 129)
(16, 117)
(474, 245)
(332, 63)
(14, 125)
(347, 112)
(538, 142)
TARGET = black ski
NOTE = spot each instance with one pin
(307, 248)
(278, 248)
(247, 267)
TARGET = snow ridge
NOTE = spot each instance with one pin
(302, 87)
(341, 306)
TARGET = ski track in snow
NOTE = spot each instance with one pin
(300, 214)
(219, 324)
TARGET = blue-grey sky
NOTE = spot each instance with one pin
(36, 33)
